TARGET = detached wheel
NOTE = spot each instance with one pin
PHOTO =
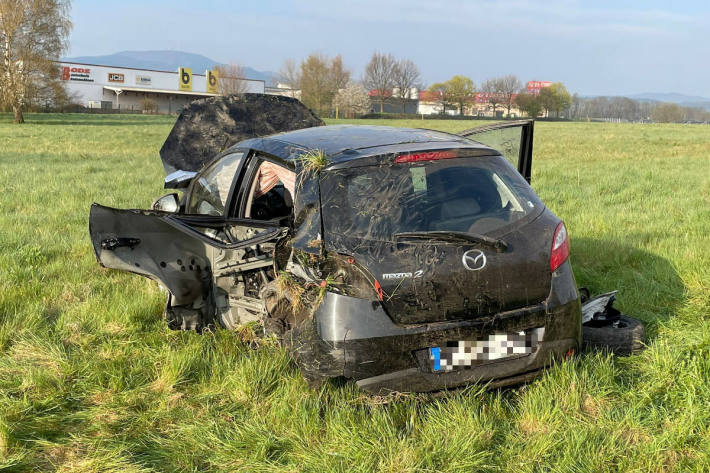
(623, 338)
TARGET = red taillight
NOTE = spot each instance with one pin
(378, 289)
(560, 247)
(425, 156)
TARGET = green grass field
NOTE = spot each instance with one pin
(91, 379)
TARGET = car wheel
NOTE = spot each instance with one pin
(624, 337)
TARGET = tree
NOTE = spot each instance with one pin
(406, 78)
(32, 34)
(380, 76)
(440, 90)
(493, 90)
(231, 79)
(352, 100)
(320, 79)
(508, 86)
(460, 90)
(546, 97)
(290, 74)
(529, 104)
(555, 97)
(563, 99)
(339, 77)
(667, 113)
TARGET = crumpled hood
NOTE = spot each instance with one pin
(208, 126)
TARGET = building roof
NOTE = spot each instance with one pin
(429, 96)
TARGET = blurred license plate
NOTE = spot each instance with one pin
(496, 346)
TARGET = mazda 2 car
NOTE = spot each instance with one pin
(403, 259)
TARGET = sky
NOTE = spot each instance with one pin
(597, 47)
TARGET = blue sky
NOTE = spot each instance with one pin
(595, 47)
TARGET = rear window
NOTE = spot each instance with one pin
(474, 195)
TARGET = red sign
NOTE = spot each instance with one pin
(534, 86)
(76, 74)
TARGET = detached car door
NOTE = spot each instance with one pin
(180, 249)
(513, 139)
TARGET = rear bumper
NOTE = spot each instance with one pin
(380, 355)
(498, 374)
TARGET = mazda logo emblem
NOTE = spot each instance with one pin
(474, 260)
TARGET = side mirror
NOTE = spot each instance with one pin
(167, 203)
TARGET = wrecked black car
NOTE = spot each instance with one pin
(404, 259)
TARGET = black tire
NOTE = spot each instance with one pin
(627, 338)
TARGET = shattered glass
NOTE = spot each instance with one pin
(474, 195)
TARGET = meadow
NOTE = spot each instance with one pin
(91, 378)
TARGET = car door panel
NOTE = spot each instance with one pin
(513, 139)
(199, 259)
(157, 249)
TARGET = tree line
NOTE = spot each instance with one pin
(626, 109)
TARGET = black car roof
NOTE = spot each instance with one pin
(357, 140)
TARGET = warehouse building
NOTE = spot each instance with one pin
(126, 88)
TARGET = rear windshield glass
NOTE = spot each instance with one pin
(474, 195)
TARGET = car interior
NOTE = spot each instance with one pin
(271, 193)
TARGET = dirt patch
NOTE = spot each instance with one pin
(207, 126)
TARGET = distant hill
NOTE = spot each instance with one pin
(164, 61)
(680, 99)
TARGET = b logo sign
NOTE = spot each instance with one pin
(212, 81)
(185, 79)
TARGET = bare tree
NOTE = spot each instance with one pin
(380, 76)
(32, 34)
(290, 74)
(406, 78)
(339, 75)
(231, 79)
(492, 88)
(508, 87)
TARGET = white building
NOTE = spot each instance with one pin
(126, 88)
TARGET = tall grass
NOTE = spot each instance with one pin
(91, 379)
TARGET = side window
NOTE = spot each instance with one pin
(271, 192)
(211, 188)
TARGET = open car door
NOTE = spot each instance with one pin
(193, 256)
(514, 139)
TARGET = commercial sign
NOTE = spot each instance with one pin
(534, 86)
(185, 79)
(79, 74)
(486, 97)
(116, 77)
(143, 80)
(212, 78)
